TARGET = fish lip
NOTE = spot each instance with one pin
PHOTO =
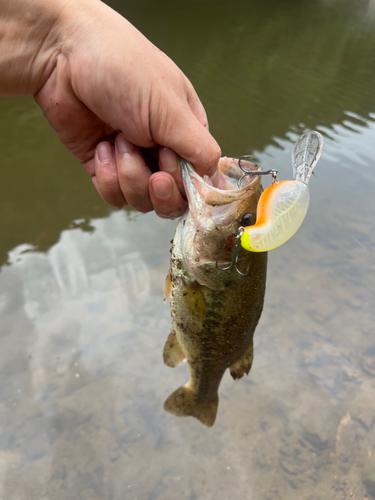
(254, 180)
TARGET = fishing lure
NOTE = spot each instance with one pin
(283, 205)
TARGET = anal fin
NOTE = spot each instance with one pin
(243, 364)
(172, 354)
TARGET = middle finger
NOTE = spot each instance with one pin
(133, 174)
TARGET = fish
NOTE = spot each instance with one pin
(214, 312)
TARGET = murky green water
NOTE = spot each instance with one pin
(82, 319)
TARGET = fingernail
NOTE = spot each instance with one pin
(123, 145)
(162, 188)
(105, 152)
(170, 161)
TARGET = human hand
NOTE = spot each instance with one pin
(111, 93)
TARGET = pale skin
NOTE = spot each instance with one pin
(107, 92)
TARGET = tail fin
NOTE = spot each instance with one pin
(184, 403)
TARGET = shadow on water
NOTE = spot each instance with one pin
(82, 326)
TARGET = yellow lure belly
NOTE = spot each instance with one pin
(281, 211)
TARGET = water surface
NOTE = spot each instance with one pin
(82, 320)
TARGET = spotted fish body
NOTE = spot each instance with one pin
(214, 312)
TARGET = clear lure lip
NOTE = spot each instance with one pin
(305, 155)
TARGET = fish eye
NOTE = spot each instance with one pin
(247, 220)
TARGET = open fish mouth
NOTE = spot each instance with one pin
(214, 216)
(219, 200)
(225, 180)
(228, 175)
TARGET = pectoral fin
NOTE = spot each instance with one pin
(167, 287)
(243, 364)
(172, 353)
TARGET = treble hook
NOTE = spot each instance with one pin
(254, 172)
(236, 250)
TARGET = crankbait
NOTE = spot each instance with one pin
(282, 207)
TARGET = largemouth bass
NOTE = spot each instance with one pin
(214, 312)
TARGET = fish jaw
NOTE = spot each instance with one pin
(215, 214)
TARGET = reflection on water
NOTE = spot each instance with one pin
(82, 320)
(83, 382)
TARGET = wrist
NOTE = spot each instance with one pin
(33, 34)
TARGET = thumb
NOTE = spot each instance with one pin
(190, 139)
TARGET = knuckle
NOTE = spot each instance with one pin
(119, 204)
(146, 210)
(216, 151)
(106, 173)
(134, 185)
(142, 207)
(115, 201)
(109, 182)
